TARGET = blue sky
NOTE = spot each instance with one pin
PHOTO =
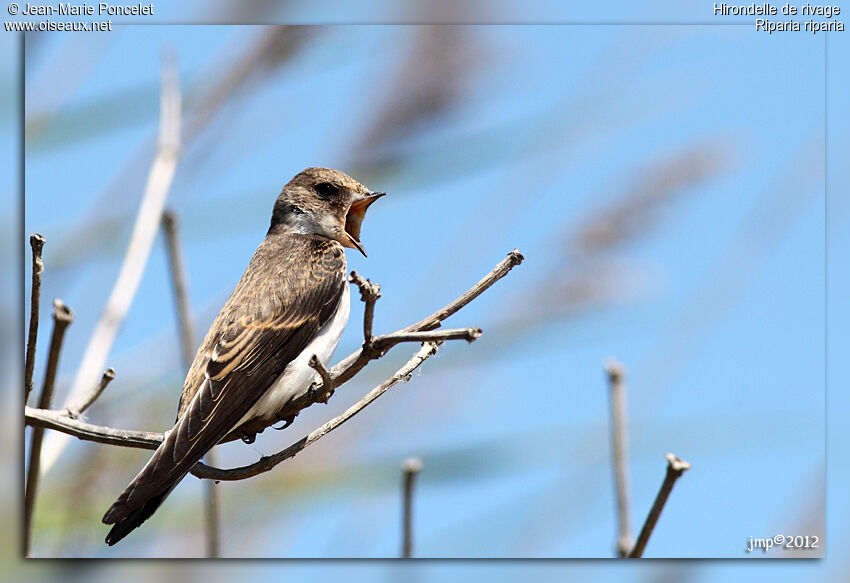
(716, 303)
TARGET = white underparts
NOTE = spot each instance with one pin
(299, 375)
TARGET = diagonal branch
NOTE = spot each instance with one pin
(354, 362)
(37, 243)
(675, 468)
(435, 320)
(87, 400)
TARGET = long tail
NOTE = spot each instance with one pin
(149, 488)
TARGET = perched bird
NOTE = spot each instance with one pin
(291, 303)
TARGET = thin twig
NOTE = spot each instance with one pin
(327, 387)
(94, 394)
(369, 293)
(513, 259)
(187, 345)
(387, 341)
(144, 231)
(619, 457)
(675, 468)
(62, 318)
(37, 243)
(411, 468)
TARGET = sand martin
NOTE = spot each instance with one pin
(291, 303)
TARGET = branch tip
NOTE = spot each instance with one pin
(61, 312)
(327, 382)
(616, 370)
(676, 464)
(37, 242)
(412, 465)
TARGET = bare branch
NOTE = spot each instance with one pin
(178, 278)
(62, 318)
(675, 468)
(431, 339)
(266, 463)
(187, 344)
(369, 293)
(387, 341)
(61, 422)
(354, 362)
(94, 394)
(144, 231)
(411, 468)
(513, 259)
(619, 457)
(37, 243)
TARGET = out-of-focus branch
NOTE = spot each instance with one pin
(62, 318)
(187, 345)
(619, 460)
(675, 468)
(410, 469)
(178, 278)
(144, 231)
(37, 243)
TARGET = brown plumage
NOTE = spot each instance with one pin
(291, 292)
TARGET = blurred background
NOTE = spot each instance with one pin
(665, 183)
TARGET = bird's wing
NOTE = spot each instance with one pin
(264, 327)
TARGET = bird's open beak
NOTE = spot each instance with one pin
(354, 219)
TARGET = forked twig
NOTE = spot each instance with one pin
(62, 318)
(369, 293)
(266, 463)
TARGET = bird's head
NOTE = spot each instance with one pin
(323, 201)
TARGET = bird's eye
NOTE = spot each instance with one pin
(326, 189)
